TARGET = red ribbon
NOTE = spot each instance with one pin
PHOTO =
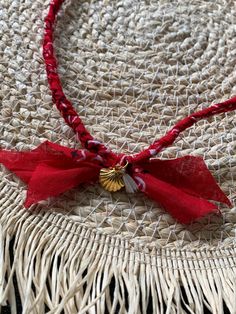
(182, 186)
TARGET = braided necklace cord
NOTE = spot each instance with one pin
(52, 169)
(74, 121)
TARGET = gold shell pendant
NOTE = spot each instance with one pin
(111, 179)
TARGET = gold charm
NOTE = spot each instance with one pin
(111, 179)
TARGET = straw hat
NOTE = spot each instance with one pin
(132, 69)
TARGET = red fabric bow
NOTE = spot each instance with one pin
(182, 186)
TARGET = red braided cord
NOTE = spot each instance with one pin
(63, 104)
(180, 126)
(73, 120)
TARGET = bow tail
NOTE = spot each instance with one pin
(48, 170)
(22, 164)
(190, 174)
(182, 206)
(52, 180)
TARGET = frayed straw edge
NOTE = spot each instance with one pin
(71, 268)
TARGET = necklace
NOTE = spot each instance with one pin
(182, 186)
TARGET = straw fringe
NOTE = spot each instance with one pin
(75, 269)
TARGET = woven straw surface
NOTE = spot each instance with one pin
(132, 69)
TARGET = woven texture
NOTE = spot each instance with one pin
(132, 69)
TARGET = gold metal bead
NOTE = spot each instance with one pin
(111, 179)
